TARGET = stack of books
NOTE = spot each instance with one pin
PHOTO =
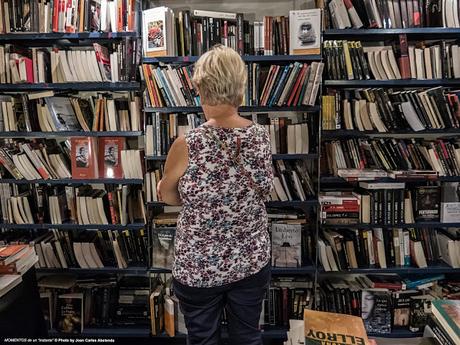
(444, 322)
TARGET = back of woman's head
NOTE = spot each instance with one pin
(220, 77)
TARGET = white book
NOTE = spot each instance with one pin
(214, 14)
(428, 66)
(112, 16)
(305, 31)
(339, 12)
(373, 66)
(41, 66)
(456, 60)
(420, 63)
(393, 64)
(411, 117)
(375, 118)
(366, 122)
(93, 65)
(65, 66)
(71, 64)
(323, 255)
(386, 65)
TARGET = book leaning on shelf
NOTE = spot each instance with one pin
(392, 14)
(113, 63)
(76, 16)
(69, 205)
(84, 249)
(384, 110)
(292, 181)
(353, 60)
(195, 32)
(295, 84)
(88, 111)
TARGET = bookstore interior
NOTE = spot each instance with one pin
(361, 102)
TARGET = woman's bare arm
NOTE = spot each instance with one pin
(175, 166)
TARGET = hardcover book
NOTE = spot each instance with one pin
(110, 157)
(344, 329)
(305, 32)
(447, 313)
(376, 310)
(286, 245)
(69, 316)
(163, 247)
(427, 203)
(84, 162)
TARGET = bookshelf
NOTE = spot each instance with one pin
(77, 86)
(243, 109)
(314, 270)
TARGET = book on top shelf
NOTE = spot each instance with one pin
(70, 17)
(392, 14)
(192, 33)
(305, 32)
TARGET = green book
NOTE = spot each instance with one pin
(447, 313)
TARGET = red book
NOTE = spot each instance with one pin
(300, 88)
(11, 253)
(404, 62)
(29, 68)
(84, 162)
(296, 85)
(110, 157)
(112, 206)
(56, 16)
(131, 14)
(68, 16)
(120, 16)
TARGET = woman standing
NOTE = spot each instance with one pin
(221, 173)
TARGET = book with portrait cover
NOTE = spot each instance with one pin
(305, 32)
(286, 245)
(420, 309)
(69, 318)
(110, 157)
(163, 247)
(84, 162)
(376, 310)
(401, 309)
(427, 202)
(332, 328)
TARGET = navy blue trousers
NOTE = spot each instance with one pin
(202, 309)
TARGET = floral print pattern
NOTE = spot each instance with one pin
(222, 230)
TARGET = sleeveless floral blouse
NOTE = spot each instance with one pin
(222, 230)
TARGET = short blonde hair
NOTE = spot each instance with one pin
(220, 77)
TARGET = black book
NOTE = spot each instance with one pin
(427, 202)
(377, 310)
(361, 10)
